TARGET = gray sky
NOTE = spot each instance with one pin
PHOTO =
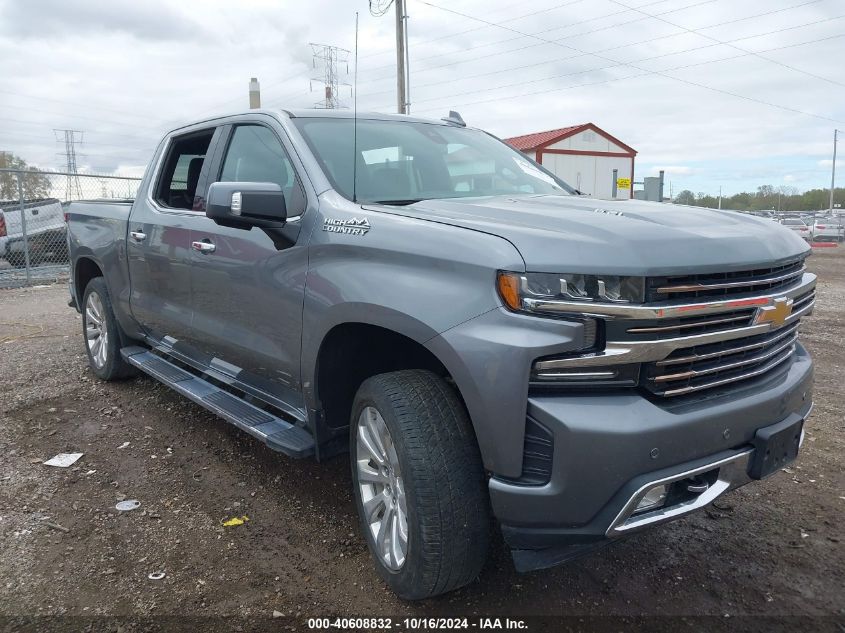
(682, 81)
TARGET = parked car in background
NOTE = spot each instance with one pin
(46, 232)
(828, 229)
(799, 226)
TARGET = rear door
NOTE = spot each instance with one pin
(159, 239)
(247, 292)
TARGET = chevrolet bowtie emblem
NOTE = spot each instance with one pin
(776, 314)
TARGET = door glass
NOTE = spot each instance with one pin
(256, 155)
(180, 175)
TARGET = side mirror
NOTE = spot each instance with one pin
(244, 205)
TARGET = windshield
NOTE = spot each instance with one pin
(402, 162)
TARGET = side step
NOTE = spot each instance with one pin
(277, 433)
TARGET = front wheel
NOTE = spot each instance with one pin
(419, 483)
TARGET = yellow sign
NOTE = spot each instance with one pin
(623, 183)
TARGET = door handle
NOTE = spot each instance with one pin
(138, 236)
(203, 247)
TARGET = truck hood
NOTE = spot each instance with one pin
(587, 235)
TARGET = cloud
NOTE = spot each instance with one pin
(680, 170)
(827, 163)
(147, 20)
(124, 72)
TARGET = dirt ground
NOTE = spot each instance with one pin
(770, 549)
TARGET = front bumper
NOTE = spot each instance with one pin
(606, 447)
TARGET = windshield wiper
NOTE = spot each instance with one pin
(400, 203)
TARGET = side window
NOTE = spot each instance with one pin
(177, 182)
(256, 155)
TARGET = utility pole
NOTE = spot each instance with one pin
(379, 8)
(402, 94)
(833, 170)
(327, 58)
(70, 139)
(720, 197)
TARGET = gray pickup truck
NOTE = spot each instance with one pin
(480, 339)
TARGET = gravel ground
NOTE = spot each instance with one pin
(769, 549)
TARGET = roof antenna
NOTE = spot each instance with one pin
(355, 119)
(454, 118)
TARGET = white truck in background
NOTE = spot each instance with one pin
(46, 231)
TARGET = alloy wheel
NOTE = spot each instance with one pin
(382, 489)
(96, 330)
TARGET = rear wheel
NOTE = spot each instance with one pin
(102, 333)
(17, 260)
(419, 483)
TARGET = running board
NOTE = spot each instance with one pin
(276, 433)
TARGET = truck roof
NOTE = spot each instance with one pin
(317, 113)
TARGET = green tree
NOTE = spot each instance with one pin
(706, 200)
(685, 197)
(35, 185)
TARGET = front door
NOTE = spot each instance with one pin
(158, 245)
(248, 285)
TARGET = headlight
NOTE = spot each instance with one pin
(515, 288)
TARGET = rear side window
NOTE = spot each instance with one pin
(255, 154)
(177, 183)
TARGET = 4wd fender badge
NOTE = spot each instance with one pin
(776, 314)
(353, 226)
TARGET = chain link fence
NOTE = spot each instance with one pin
(33, 230)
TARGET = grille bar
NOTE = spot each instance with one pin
(748, 283)
(695, 373)
(692, 358)
(724, 381)
(684, 326)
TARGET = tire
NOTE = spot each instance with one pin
(17, 260)
(434, 476)
(99, 325)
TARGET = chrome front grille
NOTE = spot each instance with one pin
(692, 369)
(688, 326)
(672, 348)
(725, 284)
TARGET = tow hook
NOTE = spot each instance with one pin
(696, 485)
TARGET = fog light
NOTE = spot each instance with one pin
(654, 498)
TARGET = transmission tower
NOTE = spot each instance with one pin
(327, 59)
(70, 138)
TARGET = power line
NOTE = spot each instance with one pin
(644, 71)
(548, 30)
(718, 41)
(605, 50)
(39, 137)
(378, 8)
(650, 58)
(80, 117)
(87, 106)
(477, 28)
(604, 28)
